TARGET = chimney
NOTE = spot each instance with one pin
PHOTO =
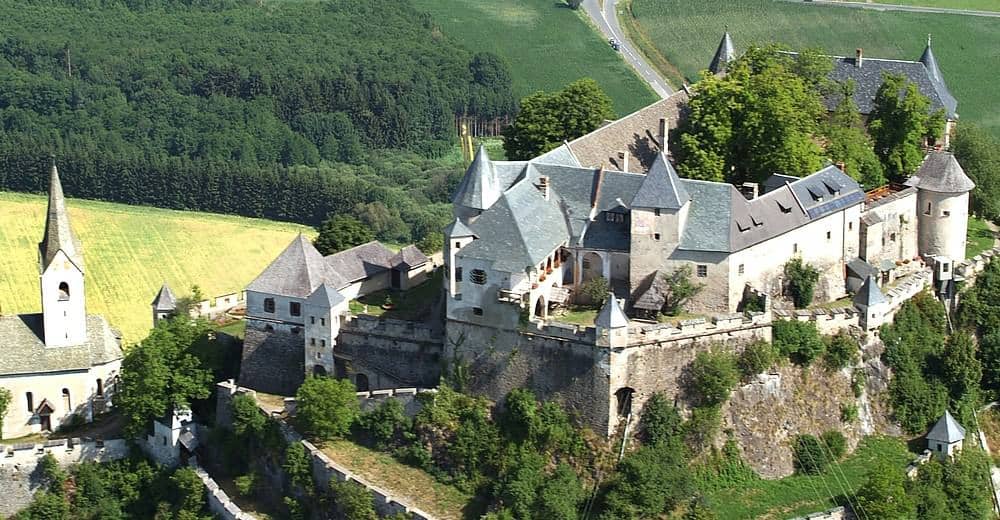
(751, 190)
(661, 135)
(859, 57)
(543, 186)
(842, 166)
(623, 160)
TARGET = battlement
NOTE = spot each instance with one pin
(409, 330)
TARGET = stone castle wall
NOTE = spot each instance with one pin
(273, 361)
(377, 347)
(219, 502)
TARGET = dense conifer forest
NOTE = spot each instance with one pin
(254, 108)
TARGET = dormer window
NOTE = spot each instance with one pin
(742, 227)
(783, 208)
(613, 217)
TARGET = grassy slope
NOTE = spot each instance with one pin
(687, 34)
(980, 237)
(546, 46)
(798, 495)
(129, 251)
(978, 5)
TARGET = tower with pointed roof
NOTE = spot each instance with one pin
(945, 438)
(871, 304)
(658, 214)
(942, 206)
(479, 189)
(61, 270)
(164, 304)
(724, 55)
(612, 324)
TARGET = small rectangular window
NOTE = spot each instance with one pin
(319, 355)
(478, 276)
(892, 237)
(31, 402)
(742, 270)
(478, 311)
(458, 245)
(928, 210)
(322, 343)
(312, 320)
(944, 268)
(458, 274)
(945, 213)
(312, 341)
(702, 271)
(322, 322)
(656, 236)
(828, 235)
(795, 248)
(850, 226)
(269, 305)
(656, 212)
(295, 308)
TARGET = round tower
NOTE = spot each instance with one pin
(942, 206)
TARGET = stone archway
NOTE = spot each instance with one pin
(623, 398)
(540, 308)
(319, 371)
(592, 266)
(361, 382)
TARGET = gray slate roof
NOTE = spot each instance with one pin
(869, 294)
(457, 229)
(325, 296)
(23, 350)
(479, 186)
(408, 258)
(164, 300)
(946, 430)
(869, 76)
(59, 234)
(611, 315)
(661, 188)
(941, 173)
(654, 295)
(296, 272)
(360, 262)
(561, 155)
(724, 55)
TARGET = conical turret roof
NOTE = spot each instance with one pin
(929, 61)
(869, 294)
(611, 316)
(724, 55)
(662, 188)
(59, 235)
(479, 188)
(164, 300)
(941, 173)
(946, 430)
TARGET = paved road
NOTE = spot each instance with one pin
(908, 8)
(607, 22)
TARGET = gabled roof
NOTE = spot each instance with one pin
(360, 262)
(654, 295)
(24, 350)
(59, 235)
(611, 315)
(296, 272)
(325, 296)
(457, 229)
(869, 294)
(941, 173)
(662, 188)
(946, 430)
(479, 187)
(870, 75)
(724, 55)
(164, 300)
(408, 258)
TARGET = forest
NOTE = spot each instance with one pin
(270, 110)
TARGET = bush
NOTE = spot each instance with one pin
(595, 291)
(384, 424)
(835, 443)
(858, 379)
(352, 500)
(680, 289)
(799, 340)
(245, 484)
(756, 358)
(841, 351)
(298, 467)
(802, 280)
(702, 427)
(326, 407)
(248, 421)
(848, 412)
(808, 455)
(660, 421)
(713, 376)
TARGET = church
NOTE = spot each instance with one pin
(60, 365)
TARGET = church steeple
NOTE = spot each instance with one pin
(724, 55)
(480, 187)
(927, 58)
(64, 313)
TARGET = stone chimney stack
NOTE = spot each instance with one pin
(661, 134)
(623, 160)
(859, 57)
(842, 166)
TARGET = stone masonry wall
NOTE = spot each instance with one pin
(392, 353)
(219, 502)
(272, 361)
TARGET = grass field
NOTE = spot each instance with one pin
(979, 237)
(976, 5)
(799, 495)
(687, 33)
(546, 46)
(129, 251)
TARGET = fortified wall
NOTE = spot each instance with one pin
(377, 348)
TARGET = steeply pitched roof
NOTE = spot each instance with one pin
(325, 296)
(296, 272)
(827, 191)
(360, 262)
(164, 300)
(724, 55)
(661, 188)
(941, 173)
(24, 352)
(869, 294)
(457, 229)
(709, 217)
(611, 315)
(479, 187)
(653, 295)
(870, 75)
(409, 257)
(561, 155)
(59, 234)
(946, 430)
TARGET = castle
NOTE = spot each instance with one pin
(528, 235)
(63, 362)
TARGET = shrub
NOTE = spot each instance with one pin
(799, 340)
(298, 467)
(660, 420)
(701, 428)
(858, 379)
(841, 351)
(713, 376)
(245, 484)
(680, 289)
(649, 482)
(384, 424)
(802, 280)
(756, 358)
(352, 500)
(326, 407)
(848, 412)
(248, 421)
(595, 291)
(835, 443)
(808, 455)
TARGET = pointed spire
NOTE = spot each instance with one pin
(59, 234)
(946, 430)
(164, 300)
(479, 188)
(927, 58)
(869, 294)
(724, 55)
(662, 188)
(611, 316)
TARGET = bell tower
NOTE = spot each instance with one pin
(60, 259)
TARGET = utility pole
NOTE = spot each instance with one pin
(69, 61)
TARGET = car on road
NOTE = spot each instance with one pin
(615, 44)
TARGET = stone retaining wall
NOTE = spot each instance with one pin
(219, 502)
(837, 513)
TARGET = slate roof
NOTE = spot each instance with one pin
(409, 257)
(59, 235)
(457, 229)
(724, 55)
(479, 186)
(325, 296)
(869, 294)
(661, 188)
(360, 262)
(164, 300)
(827, 191)
(23, 349)
(709, 217)
(611, 315)
(654, 296)
(941, 173)
(561, 155)
(946, 430)
(296, 272)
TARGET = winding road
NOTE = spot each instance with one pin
(905, 8)
(607, 21)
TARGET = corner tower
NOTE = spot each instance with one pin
(942, 206)
(478, 190)
(60, 258)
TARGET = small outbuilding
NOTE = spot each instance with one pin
(945, 438)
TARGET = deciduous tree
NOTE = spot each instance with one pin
(326, 407)
(900, 121)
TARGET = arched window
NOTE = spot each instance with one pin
(63, 291)
(361, 382)
(31, 402)
(67, 403)
(624, 398)
(100, 388)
